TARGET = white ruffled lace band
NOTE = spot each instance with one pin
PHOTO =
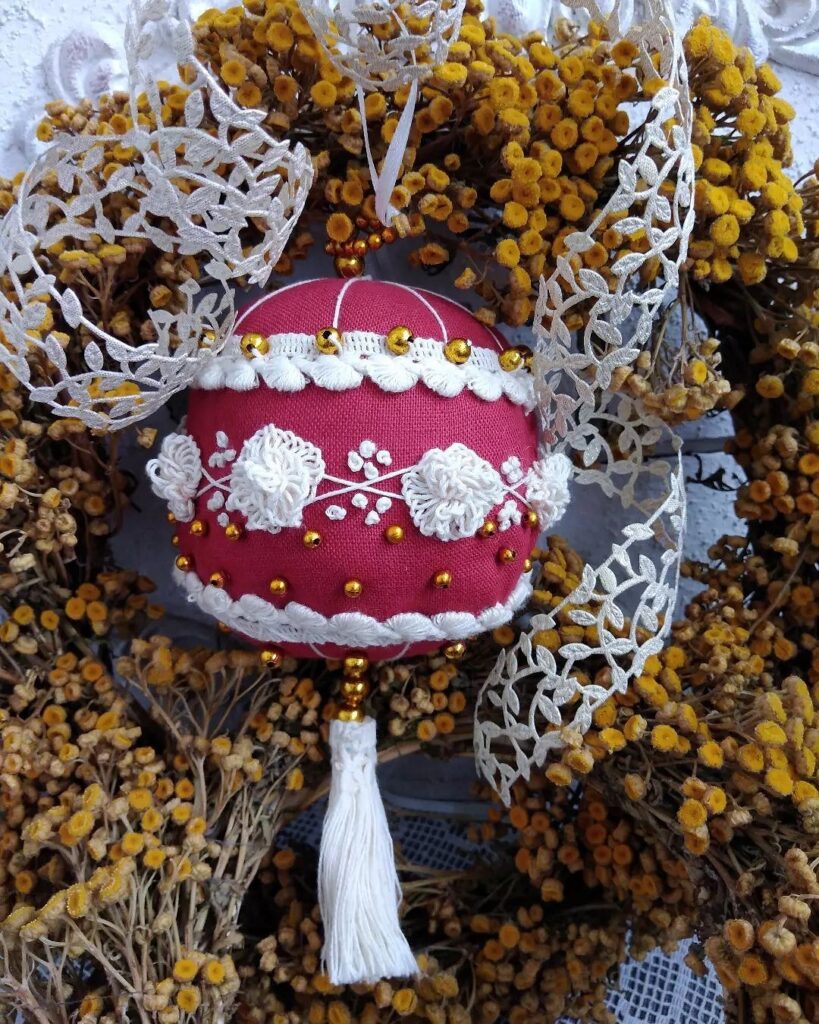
(296, 623)
(293, 360)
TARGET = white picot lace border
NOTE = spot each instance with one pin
(291, 361)
(256, 618)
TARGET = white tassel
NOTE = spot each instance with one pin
(359, 891)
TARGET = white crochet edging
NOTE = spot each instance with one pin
(292, 361)
(296, 623)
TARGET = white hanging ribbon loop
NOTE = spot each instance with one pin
(385, 182)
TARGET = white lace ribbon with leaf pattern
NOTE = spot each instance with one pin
(626, 602)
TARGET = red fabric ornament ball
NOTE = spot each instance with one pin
(336, 476)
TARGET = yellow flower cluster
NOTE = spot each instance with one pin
(749, 212)
(513, 144)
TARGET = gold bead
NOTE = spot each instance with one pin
(375, 241)
(198, 528)
(328, 341)
(399, 340)
(506, 555)
(527, 564)
(454, 652)
(353, 588)
(350, 715)
(360, 247)
(348, 266)
(355, 665)
(175, 540)
(354, 689)
(271, 657)
(278, 587)
(217, 579)
(170, 517)
(311, 538)
(222, 627)
(510, 360)
(531, 518)
(443, 579)
(208, 338)
(457, 350)
(488, 529)
(394, 534)
(389, 235)
(233, 531)
(254, 345)
(184, 563)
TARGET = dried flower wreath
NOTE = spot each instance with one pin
(142, 795)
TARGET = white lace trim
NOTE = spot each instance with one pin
(450, 493)
(175, 474)
(276, 475)
(292, 361)
(296, 623)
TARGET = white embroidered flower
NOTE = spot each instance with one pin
(511, 469)
(276, 474)
(509, 515)
(175, 474)
(547, 488)
(449, 493)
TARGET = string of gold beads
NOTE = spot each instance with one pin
(329, 341)
(354, 688)
(349, 256)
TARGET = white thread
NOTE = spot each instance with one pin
(296, 623)
(450, 492)
(358, 888)
(275, 476)
(175, 474)
(292, 361)
(340, 299)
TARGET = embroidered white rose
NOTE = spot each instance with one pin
(275, 476)
(449, 493)
(175, 474)
(547, 488)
